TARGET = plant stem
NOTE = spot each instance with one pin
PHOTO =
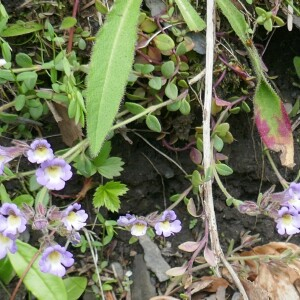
(7, 105)
(280, 178)
(34, 258)
(207, 148)
(149, 110)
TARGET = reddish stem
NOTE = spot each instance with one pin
(71, 30)
(186, 147)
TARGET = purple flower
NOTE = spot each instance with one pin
(139, 228)
(53, 173)
(12, 220)
(126, 220)
(292, 196)
(9, 153)
(165, 227)
(40, 151)
(288, 221)
(74, 217)
(55, 259)
(7, 243)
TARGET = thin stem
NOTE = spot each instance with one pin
(34, 258)
(7, 105)
(280, 178)
(181, 197)
(149, 110)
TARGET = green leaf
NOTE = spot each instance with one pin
(23, 60)
(185, 107)
(134, 108)
(171, 91)
(218, 143)
(273, 123)
(6, 51)
(103, 154)
(28, 199)
(168, 69)
(223, 169)
(112, 167)
(235, 18)
(268, 24)
(20, 102)
(222, 129)
(7, 272)
(153, 123)
(108, 195)
(7, 75)
(296, 62)
(41, 285)
(42, 197)
(21, 28)
(75, 286)
(164, 42)
(110, 66)
(4, 197)
(29, 79)
(155, 83)
(68, 22)
(190, 15)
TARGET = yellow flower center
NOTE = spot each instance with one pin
(13, 220)
(53, 171)
(55, 257)
(2, 158)
(165, 225)
(287, 219)
(41, 151)
(72, 217)
(3, 239)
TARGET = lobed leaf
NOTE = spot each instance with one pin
(110, 67)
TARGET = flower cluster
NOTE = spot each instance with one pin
(288, 216)
(67, 222)
(53, 172)
(166, 224)
(12, 223)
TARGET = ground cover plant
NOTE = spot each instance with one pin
(128, 128)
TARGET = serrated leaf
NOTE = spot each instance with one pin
(153, 123)
(108, 195)
(21, 28)
(110, 66)
(103, 154)
(111, 167)
(190, 15)
(41, 285)
(68, 22)
(75, 286)
(223, 169)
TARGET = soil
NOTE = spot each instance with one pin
(152, 178)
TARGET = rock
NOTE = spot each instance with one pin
(153, 258)
(142, 287)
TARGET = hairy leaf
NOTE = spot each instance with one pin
(110, 66)
(21, 28)
(270, 115)
(108, 195)
(42, 285)
(273, 123)
(190, 15)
